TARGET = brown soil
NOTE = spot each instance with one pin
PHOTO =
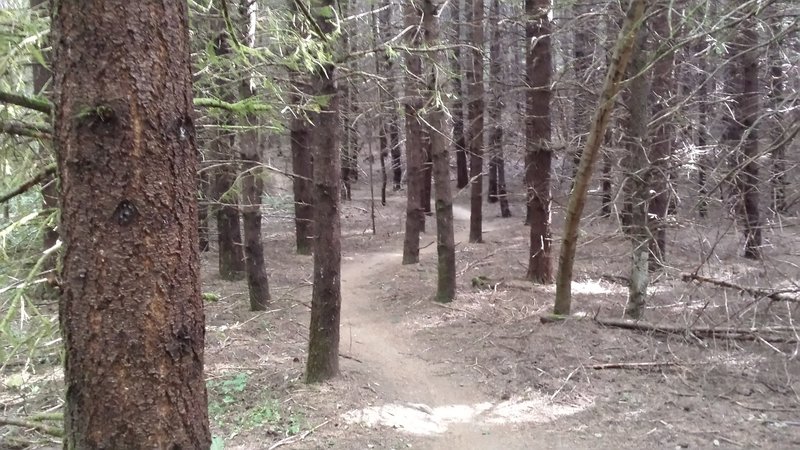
(483, 372)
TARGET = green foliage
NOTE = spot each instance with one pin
(226, 396)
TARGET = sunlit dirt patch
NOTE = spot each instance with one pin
(420, 419)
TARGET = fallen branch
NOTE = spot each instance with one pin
(36, 179)
(777, 296)
(633, 365)
(52, 431)
(296, 438)
(743, 334)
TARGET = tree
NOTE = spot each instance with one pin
(539, 155)
(302, 165)
(475, 119)
(445, 240)
(743, 134)
(637, 174)
(661, 137)
(577, 199)
(415, 217)
(252, 181)
(229, 231)
(497, 171)
(457, 110)
(326, 297)
(130, 306)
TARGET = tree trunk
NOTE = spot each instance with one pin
(497, 180)
(743, 134)
(229, 234)
(750, 109)
(326, 297)
(130, 308)
(583, 100)
(475, 116)
(302, 164)
(459, 140)
(383, 135)
(637, 176)
(427, 172)
(661, 143)
(538, 158)
(445, 240)
(392, 120)
(577, 199)
(202, 209)
(415, 217)
(252, 184)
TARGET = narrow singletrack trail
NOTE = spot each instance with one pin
(419, 399)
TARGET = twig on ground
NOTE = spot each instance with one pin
(342, 355)
(632, 365)
(778, 296)
(297, 437)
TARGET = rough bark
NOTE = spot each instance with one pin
(383, 135)
(475, 118)
(326, 297)
(445, 240)
(497, 177)
(130, 308)
(577, 199)
(392, 116)
(538, 157)
(415, 217)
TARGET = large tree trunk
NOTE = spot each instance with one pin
(415, 217)
(252, 185)
(538, 158)
(476, 119)
(636, 170)
(130, 310)
(577, 199)
(445, 240)
(326, 297)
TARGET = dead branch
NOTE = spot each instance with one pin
(52, 431)
(632, 365)
(777, 296)
(742, 334)
(36, 179)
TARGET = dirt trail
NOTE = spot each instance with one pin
(418, 399)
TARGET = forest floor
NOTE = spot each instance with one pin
(483, 372)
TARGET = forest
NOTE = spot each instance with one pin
(434, 224)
